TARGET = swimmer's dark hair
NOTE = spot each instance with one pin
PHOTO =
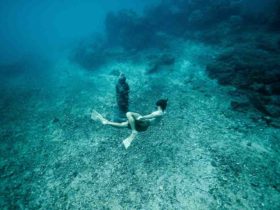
(162, 103)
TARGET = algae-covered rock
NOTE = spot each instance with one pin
(158, 62)
(255, 70)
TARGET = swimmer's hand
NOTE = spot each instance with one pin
(139, 118)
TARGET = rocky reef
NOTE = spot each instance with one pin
(253, 68)
(249, 61)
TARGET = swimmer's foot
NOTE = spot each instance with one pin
(96, 116)
(129, 139)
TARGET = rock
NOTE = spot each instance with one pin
(239, 106)
(261, 88)
(275, 100)
(74, 174)
(255, 72)
(275, 18)
(115, 72)
(276, 186)
(91, 56)
(259, 104)
(275, 88)
(273, 110)
(167, 59)
(158, 63)
(267, 120)
(55, 120)
(213, 163)
(255, 184)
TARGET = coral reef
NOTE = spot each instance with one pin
(90, 55)
(253, 67)
(247, 63)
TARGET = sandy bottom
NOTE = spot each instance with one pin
(202, 155)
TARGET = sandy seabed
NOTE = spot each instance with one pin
(203, 155)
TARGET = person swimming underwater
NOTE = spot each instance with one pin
(136, 122)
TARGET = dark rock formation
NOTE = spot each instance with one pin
(239, 106)
(209, 21)
(131, 31)
(252, 68)
(159, 62)
(55, 120)
(90, 55)
(274, 20)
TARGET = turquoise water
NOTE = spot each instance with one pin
(217, 147)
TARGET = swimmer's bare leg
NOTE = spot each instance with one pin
(130, 116)
(95, 115)
(118, 125)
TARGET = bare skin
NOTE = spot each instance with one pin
(131, 116)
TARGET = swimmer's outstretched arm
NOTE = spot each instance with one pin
(150, 116)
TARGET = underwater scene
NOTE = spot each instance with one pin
(144, 104)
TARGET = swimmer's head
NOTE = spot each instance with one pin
(162, 103)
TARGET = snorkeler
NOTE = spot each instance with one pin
(135, 122)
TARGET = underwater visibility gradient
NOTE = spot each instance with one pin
(145, 104)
